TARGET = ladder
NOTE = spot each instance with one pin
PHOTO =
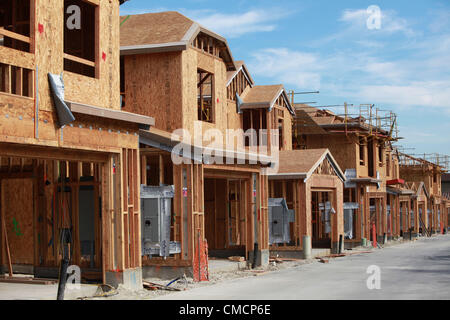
(423, 226)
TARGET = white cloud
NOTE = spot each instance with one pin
(291, 68)
(356, 19)
(230, 25)
(238, 24)
(422, 94)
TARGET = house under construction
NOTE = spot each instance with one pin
(69, 156)
(185, 76)
(362, 147)
(138, 146)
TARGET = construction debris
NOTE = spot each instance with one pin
(237, 259)
(155, 286)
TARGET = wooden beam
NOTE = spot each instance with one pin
(79, 60)
(14, 35)
(161, 169)
(50, 153)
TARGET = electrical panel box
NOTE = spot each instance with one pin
(156, 214)
(279, 219)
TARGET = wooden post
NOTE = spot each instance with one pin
(8, 253)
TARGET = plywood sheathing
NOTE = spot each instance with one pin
(153, 88)
(171, 31)
(101, 92)
(305, 162)
(20, 112)
(88, 138)
(18, 212)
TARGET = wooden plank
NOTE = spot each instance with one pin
(27, 280)
(16, 58)
(79, 60)
(94, 2)
(39, 152)
(8, 81)
(14, 35)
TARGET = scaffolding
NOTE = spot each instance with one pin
(375, 121)
(423, 160)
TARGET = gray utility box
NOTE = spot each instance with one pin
(156, 212)
(279, 218)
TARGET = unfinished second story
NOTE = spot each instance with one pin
(420, 169)
(77, 42)
(184, 75)
(266, 109)
(357, 146)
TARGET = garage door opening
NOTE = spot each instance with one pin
(225, 217)
(50, 208)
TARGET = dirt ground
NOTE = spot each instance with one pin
(187, 283)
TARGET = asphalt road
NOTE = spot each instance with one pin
(412, 270)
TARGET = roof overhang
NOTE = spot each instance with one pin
(269, 104)
(306, 175)
(153, 48)
(200, 154)
(396, 191)
(142, 121)
(366, 180)
(182, 45)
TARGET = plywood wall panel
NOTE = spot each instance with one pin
(17, 208)
(154, 88)
(47, 57)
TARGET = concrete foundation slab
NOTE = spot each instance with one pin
(166, 273)
(298, 254)
(222, 265)
(130, 279)
(262, 257)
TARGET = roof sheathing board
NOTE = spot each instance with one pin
(265, 97)
(302, 163)
(163, 32)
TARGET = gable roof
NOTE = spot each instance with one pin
(301, 164)
(417, 187)
(240, 66)
(164, 32)
(265, 97)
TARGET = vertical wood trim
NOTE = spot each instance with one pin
(143, 170)
(97, 42)
(33, 26)
(191, 231)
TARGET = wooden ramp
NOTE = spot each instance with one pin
(26, 280)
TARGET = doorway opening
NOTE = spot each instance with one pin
(321, 215)
(225, 216)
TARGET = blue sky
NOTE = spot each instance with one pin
(403, 66)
